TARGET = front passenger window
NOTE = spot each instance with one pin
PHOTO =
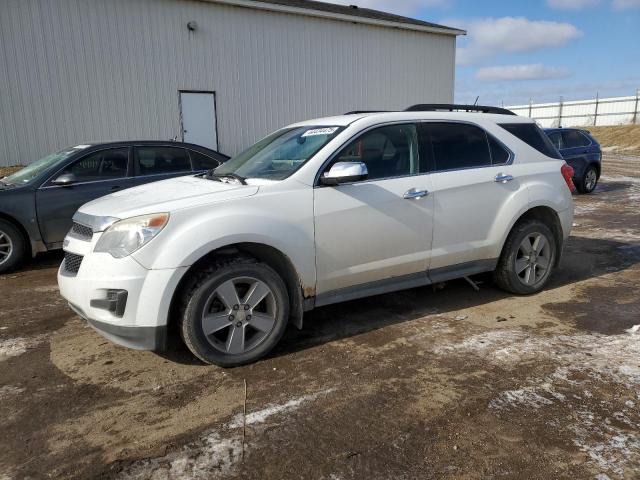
(102, 165)
(388, 152)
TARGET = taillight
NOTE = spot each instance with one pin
(567, 173)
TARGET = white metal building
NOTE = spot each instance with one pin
(221, 73)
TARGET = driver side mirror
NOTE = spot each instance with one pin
(345, 172)
(64, 180)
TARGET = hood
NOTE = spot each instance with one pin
(166, 196)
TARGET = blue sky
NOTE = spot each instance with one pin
(539, 49)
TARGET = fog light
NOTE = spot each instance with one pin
(115, 302)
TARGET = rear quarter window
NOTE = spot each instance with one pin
(533, 136)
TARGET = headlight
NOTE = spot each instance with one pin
(126, 236)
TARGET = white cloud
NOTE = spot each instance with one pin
(400, 7)
(571, 4)
(520, 72)
(626, 4)
(488, 37)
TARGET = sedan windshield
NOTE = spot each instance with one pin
(34, 169)
(280, 154)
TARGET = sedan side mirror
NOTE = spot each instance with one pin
(64, 180)
(345, 172)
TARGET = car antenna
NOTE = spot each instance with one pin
(476, 102)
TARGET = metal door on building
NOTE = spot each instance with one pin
(198, 118)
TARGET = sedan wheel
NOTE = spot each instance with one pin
(13, 247)
(6, 247)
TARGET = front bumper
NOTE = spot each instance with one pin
(142, 323)
(139, 338)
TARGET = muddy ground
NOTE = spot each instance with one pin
(450, 383)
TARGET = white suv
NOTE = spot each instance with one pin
(319, 212)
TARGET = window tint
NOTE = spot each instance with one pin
(201, 161)
(390, 151)
(533, 136)
(556, 139)
(102, 165)
(573, 139)
(457, 145)
(153, 160)
(499, 154)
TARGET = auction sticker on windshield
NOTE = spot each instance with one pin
(320, 131)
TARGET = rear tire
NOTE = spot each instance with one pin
(234, 312)
(527, 259)
(13, 247)
(589, 180)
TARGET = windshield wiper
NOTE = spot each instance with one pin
(219, 176)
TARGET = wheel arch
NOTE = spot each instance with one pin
(268, 254)
(23, 231)
(546, 215)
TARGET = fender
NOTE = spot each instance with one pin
(193, 233)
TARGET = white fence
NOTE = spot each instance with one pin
(597, 111)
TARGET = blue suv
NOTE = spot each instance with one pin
(582, 152)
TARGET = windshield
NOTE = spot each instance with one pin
(34, 169)
(280, 154)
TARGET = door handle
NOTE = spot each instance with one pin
(415, 194)
(116, 187)
(502, 178)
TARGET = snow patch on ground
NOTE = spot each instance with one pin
(588, 362)
(217, 453)
(7, 391)
(12, 347)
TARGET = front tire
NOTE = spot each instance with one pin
(589, 180)
(527, 259)
(234, 312)
(13, 247)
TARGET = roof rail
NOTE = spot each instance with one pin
(354, 112)
(439, 107)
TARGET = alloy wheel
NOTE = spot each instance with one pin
(533, 259)
(590, 179)
(6, 247)
(239, 315)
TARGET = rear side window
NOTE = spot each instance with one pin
(201, 161)
(458, 145)
(533, 136)
(556, 139)
(155, 160)
(499, 154)
(573, 139)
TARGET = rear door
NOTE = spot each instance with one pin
(576, 149)
(472, 179)
(96, 174)
(159, 162)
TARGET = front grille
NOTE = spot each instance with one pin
(81, 232)
(72, 262)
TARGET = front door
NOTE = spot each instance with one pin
(198, 114)
(95, 175)
(374, 230)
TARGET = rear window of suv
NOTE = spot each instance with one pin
(533, 136)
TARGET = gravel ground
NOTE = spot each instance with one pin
(447, 383)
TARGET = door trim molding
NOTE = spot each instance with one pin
(405, 282)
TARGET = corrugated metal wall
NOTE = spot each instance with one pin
(74, 71)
